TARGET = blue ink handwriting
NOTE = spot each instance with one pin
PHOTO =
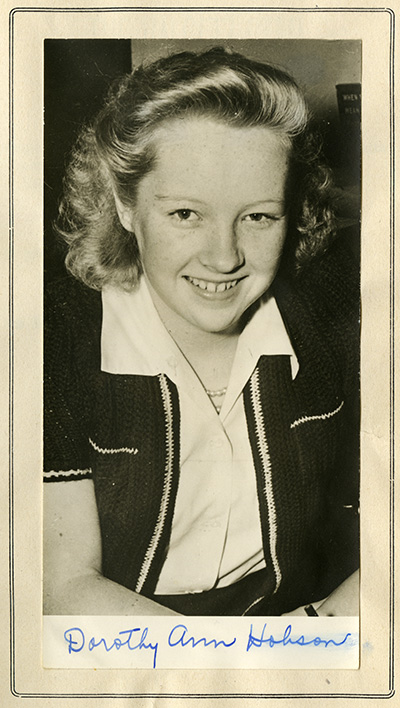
(178, 635)
(287, 639)
(75, 639)
(136, 638)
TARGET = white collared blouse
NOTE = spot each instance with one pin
(216, 533)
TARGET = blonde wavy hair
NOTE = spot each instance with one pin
(116, 151)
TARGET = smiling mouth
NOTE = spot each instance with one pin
(210, 286)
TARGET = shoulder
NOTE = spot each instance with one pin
(72, 318)
(321, 306)
(70, 297)
(328, 287)
(334, 276)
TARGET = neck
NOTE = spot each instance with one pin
(210, 354)
(187, 334)
(212, 359)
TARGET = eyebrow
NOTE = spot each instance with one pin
(177, 197)
(265, 201)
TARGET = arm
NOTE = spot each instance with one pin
(342, 602)
(72, 579)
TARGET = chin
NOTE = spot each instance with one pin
(220, 328)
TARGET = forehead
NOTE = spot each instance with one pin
(197, 152)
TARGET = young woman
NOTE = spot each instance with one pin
(201, 365)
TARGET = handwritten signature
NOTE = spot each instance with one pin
(287, 639)
(180, 636)
(76, 641)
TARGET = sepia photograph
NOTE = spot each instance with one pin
(201, 430)
(200, 501)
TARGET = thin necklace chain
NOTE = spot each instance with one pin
(215, 394)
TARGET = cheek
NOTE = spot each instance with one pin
(160, 259)
(150, 245)
(267, 252)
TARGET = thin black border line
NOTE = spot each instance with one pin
(11, 360)
(275, 696)
(392, 359)
(200, 9)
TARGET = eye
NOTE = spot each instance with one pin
(259, 217)
(184, 215)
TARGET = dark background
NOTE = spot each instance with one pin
(78, 72)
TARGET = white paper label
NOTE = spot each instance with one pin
(200, 642)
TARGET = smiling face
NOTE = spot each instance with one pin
(210, 221)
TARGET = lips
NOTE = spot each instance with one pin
(210, 286)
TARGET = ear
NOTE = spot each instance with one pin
(125, 214)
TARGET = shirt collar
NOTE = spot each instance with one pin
(135, 341)
(133, 337)
(266, 334)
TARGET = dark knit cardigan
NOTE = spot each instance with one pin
(123, 430)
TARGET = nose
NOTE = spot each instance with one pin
(222, 252)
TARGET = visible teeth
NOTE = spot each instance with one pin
(212, 287)
(200, 283)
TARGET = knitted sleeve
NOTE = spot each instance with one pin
(328, 291)
(333, 293)
(328, 294)
(335, 284)
(66, 405)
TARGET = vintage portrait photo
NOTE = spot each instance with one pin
(201, 266)
(202, 351)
